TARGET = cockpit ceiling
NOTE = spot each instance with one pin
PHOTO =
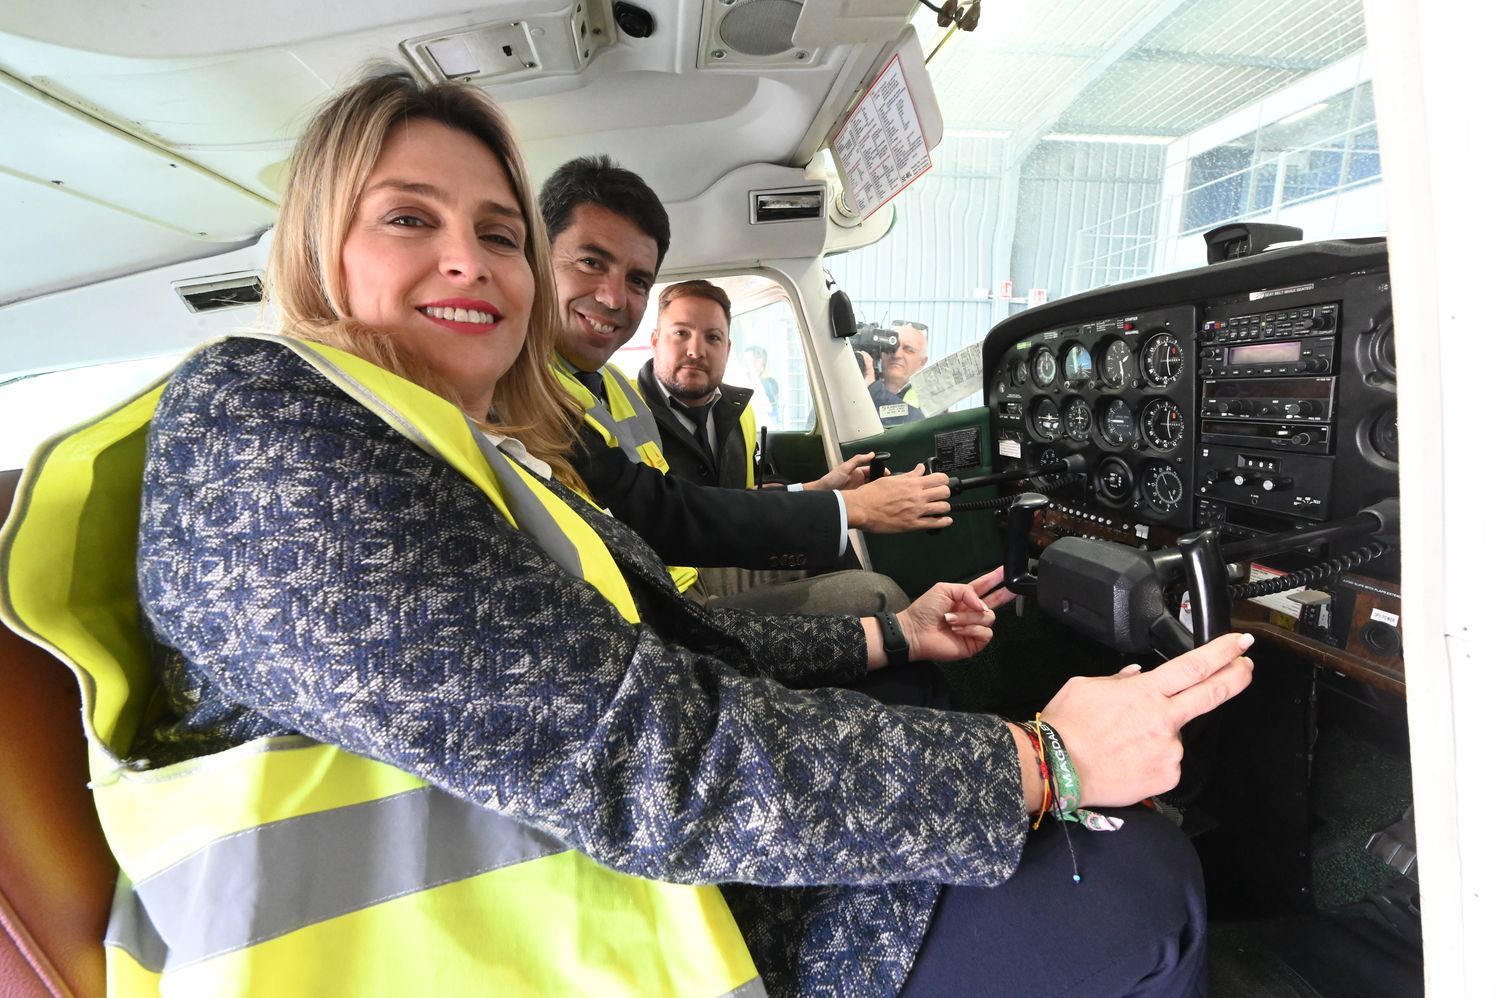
(179, 93)
(162, 136)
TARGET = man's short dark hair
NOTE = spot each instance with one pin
(600, 180)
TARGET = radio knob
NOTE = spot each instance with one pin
(1234, 408)
(1241, 479)
(1317, 365)
(1302, 439)
(1301, 408)
(1269, 484)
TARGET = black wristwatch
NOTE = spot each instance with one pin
(896, 647)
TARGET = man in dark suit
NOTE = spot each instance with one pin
(708, 429)
(609, 235)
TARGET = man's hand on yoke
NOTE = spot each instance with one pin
(899, 503)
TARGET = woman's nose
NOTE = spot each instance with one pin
(463, 261)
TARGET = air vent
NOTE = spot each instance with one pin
(791, 205)
(209, 294)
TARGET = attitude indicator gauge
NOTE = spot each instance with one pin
(1078, 365)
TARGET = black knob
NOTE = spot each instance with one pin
(1234, 408)
(877, 464)
(1316, 365)
(1302, 439)
(1299, 408)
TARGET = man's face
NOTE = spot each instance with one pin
(691, 347)
(909, 358)
(604, 267)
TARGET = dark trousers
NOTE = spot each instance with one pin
(1134, 925)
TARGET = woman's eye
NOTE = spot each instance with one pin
(406, 221)
(504, 239)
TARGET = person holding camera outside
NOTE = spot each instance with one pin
(890, 383)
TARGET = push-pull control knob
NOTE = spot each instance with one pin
(1275, 483)
(1213, 476)
(1240, 478)
(1303, 408)
(1315, 365)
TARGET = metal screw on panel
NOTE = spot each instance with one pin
(717, 53)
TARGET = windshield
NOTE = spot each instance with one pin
(1094, 143)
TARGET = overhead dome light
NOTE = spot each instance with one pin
(558, 42)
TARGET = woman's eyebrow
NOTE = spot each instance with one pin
(438, 194)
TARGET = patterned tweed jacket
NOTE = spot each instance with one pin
(303, 568)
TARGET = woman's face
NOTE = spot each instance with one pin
(435, 257)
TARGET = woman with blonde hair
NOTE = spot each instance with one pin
(550, 773)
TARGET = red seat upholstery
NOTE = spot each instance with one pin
(57, 876)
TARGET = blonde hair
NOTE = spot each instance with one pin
(328, 170)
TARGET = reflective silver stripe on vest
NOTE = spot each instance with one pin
(264, 882)
(633, 431)
(754, 988)
(531, 516)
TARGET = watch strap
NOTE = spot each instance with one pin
(896, 648)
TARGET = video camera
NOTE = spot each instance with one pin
(874, 341)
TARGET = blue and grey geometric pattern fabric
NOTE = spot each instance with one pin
(303, 568)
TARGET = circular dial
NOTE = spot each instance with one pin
(1044, 419)
(1078, 365)
(1077, 420)
(1161, 487)
(1018, 373)
(1044, 367)
(1162, 424)
(1161, 359)
(1117, 423)
(1113, 481)
(1114, 364)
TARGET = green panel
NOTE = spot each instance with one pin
(971, 546)
(796, 456)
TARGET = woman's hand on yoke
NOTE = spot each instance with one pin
(1122, 731)
(954, 620)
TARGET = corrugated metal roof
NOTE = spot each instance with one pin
(1147, 67)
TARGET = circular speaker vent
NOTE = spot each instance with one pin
(760, 27)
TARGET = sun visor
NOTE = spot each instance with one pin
(886, 139)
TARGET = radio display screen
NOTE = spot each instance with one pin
(1266, 353)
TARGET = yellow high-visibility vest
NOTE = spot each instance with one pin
(285, 866)
(625, 421)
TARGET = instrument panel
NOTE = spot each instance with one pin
(1118, 390)
(1252, 395)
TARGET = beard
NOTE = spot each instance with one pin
(688, 393)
